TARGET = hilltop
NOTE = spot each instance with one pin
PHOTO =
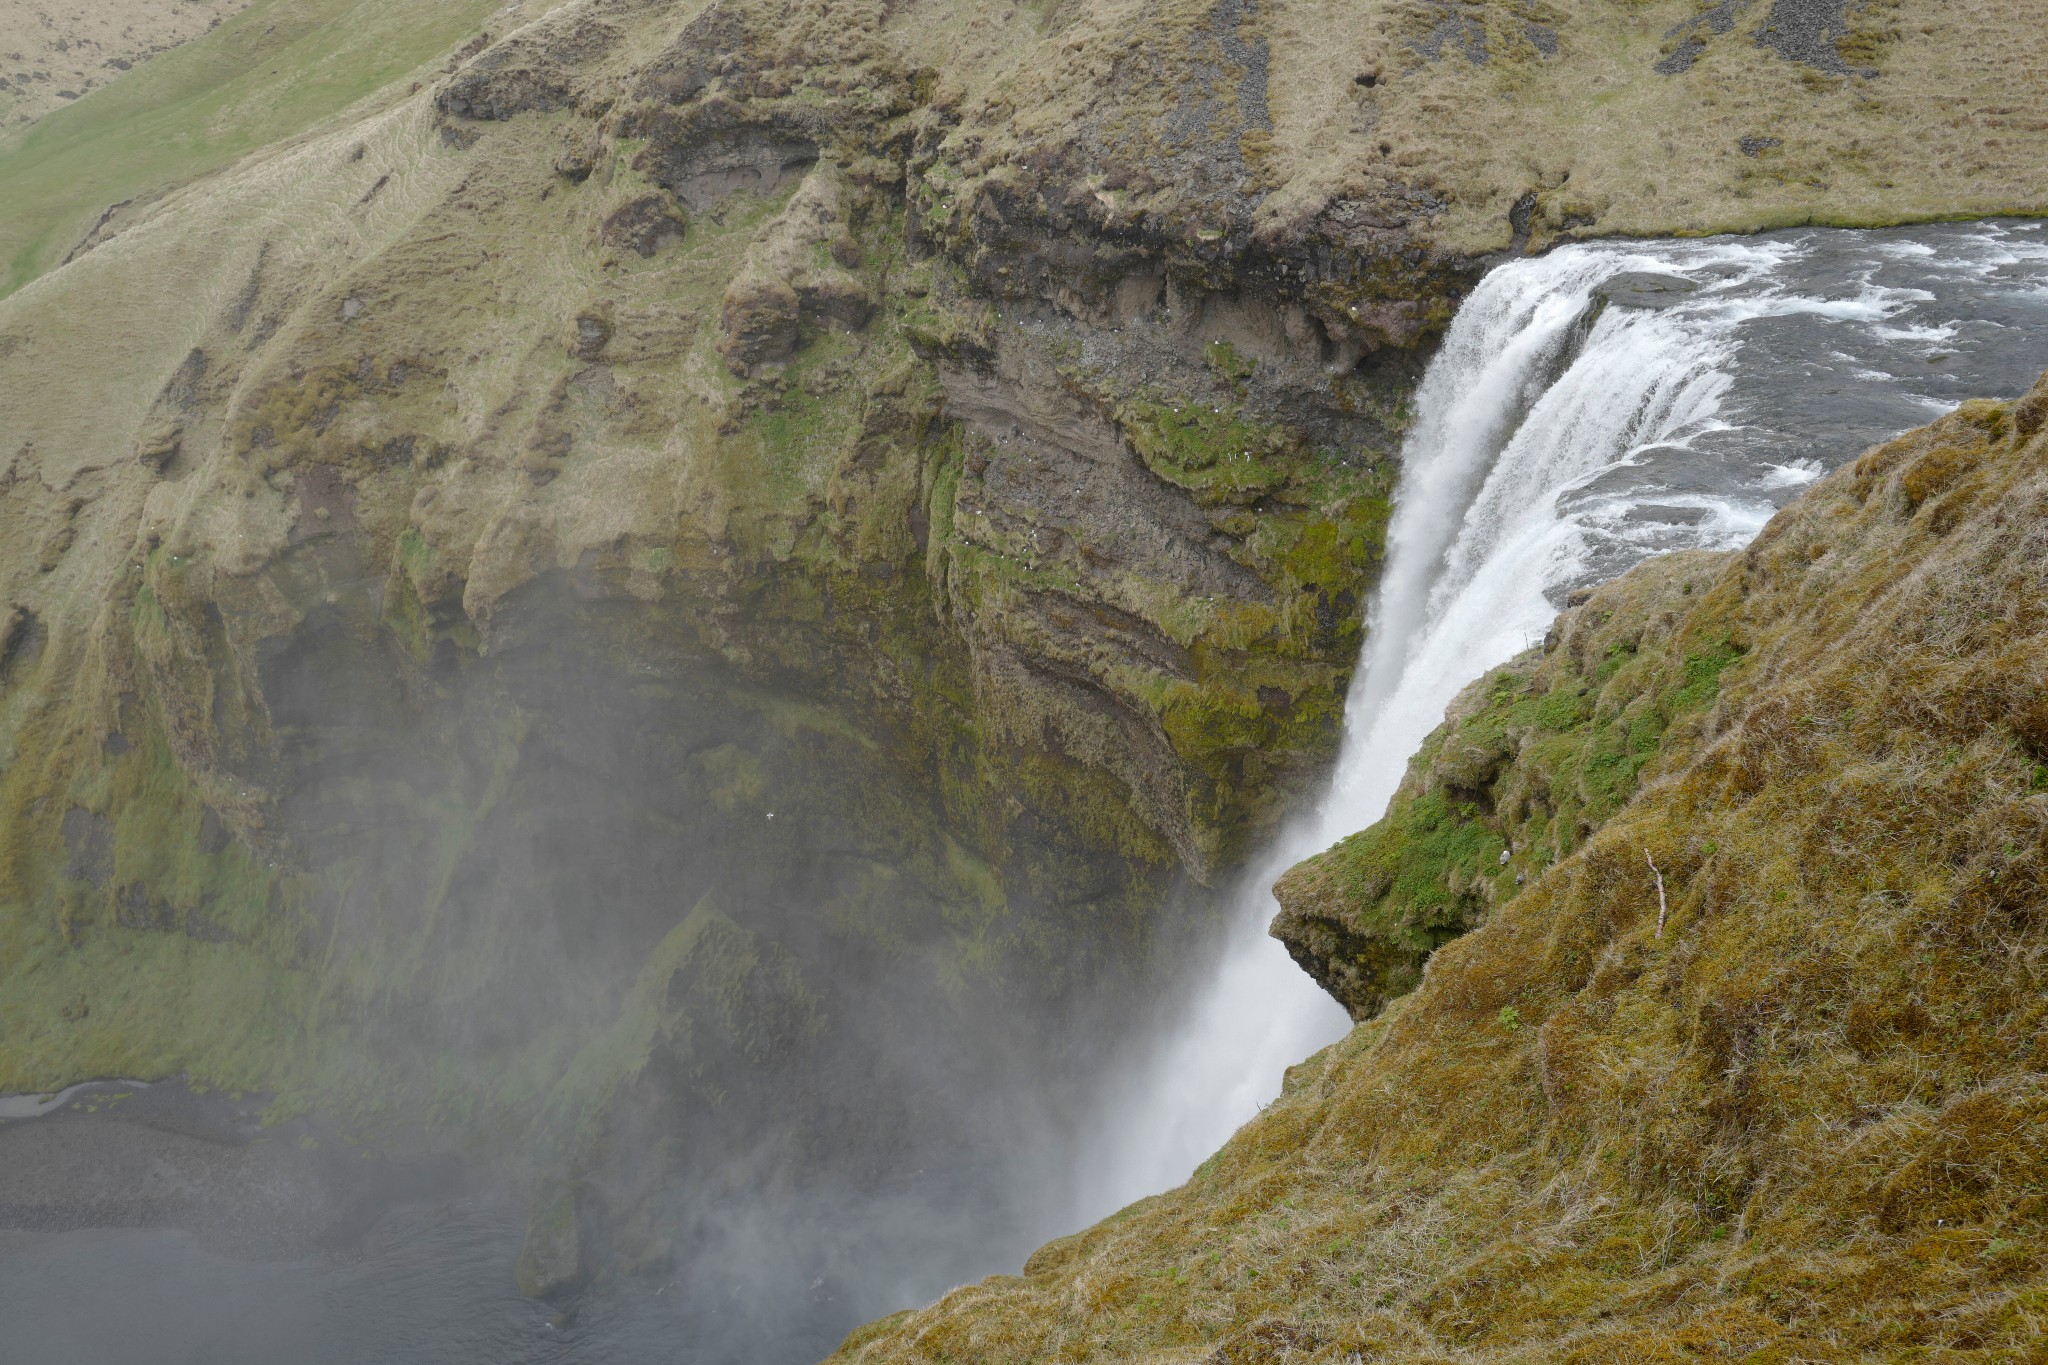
(50, 55)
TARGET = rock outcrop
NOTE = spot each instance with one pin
(1532, 759)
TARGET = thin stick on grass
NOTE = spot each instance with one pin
(1661, 906)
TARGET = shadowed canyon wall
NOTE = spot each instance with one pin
(673, 572)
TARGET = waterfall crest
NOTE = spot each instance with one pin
(1587, 409)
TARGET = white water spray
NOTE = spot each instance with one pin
(1555, 442)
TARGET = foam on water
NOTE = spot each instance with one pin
(1557, 442)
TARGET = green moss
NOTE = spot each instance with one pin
(144, 940)
(1436, 847)
(1260, 713)
(408, 620)
(943, 328)
(1210, 450)
(416, 558)
(1540, 754)
(1229, 366)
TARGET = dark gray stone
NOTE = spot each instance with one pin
(1455, 29)
(1718, 19)
(1644, 289)
(1807, 31)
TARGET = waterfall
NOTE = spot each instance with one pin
(1577, 418)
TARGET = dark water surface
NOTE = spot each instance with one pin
(149, 1225)
(429, 1285)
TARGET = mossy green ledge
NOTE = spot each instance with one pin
(1532, 760)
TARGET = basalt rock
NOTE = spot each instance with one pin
(645, 224)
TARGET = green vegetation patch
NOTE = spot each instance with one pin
(1537, 756)
(1210, 449)
(271, 72)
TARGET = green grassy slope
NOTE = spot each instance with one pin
(272, 72)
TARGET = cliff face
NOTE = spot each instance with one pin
(573, 625)
(1749, 1067)
(549, 567)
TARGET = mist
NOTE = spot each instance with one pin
(741, 1043)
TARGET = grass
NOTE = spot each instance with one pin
(1804, 1119)
(1537, 755)
(1602, 141)
(65, 55)
(269, 73)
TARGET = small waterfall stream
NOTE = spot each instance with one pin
(1587, 409)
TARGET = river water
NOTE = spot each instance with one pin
(1557, 440)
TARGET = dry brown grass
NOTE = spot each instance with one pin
(52, 54)
(1808, 1122)
(1950, 124)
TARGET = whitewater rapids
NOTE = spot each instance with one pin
(1588, 408)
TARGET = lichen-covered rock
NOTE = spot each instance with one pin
(530, 71)
(758, 322)
(792, 278)
(645, 225)
(590, 333)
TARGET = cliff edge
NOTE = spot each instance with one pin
(1749, 1067)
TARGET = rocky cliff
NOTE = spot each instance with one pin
(553, 558)
(1531, 761)
(1743, 1058)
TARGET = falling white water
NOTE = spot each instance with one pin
(1556, 442)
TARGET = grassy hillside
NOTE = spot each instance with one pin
(1797, 1112)
(263, 76)
(1468, 125)
(1479, 122)
(48, 58)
